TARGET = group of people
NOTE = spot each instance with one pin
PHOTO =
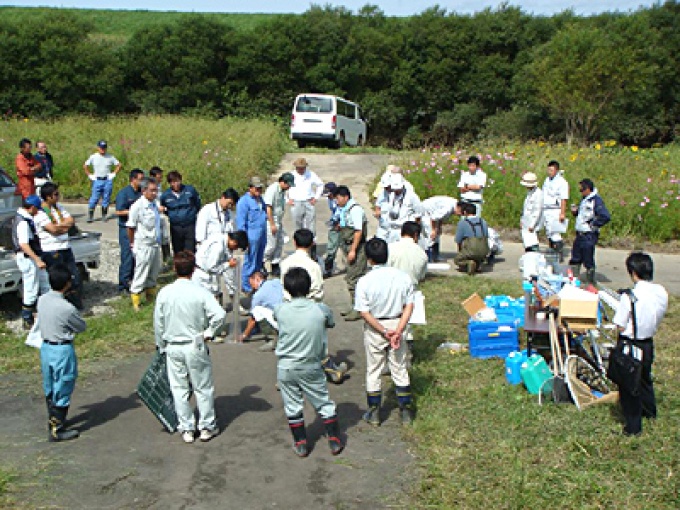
(547, 208)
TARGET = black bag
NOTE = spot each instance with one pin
(624, 369)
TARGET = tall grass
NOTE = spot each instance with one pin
(641, 187)
(210, 154)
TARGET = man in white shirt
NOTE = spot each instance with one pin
(650, 304)
(400, 206)
(185, 316)
(53, 223)
(384, 298)
(555, 197)
(301, 257)
(105, 167)
(215, 256)
(303, 196)
(28, 251)
(145, 233)
(217, 217)
(407, 255)
(436, 210)
(472, 184)
(275, 199)
(532, 212)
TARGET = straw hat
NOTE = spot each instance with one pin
(529, 180)
(393, 169)
(300, 163)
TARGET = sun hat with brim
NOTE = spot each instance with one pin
(33, 201)
(255, 182)
(300, 163)
(287, 178)
(529, 180)
(397, 181)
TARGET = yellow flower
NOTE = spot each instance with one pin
(26, 119)
(634, 148)
(610, 143)
(205, 142)
(597, 146)
(573, 157)
(541, 144)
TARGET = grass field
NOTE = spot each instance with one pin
(485, 444)
(641, 187)
(210, 154)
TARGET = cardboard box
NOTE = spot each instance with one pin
(578, 309)
(473, 304)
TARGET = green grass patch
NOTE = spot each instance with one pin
(641, 187)
(210, 154)
(482, 443)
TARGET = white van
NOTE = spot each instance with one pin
(330, 119)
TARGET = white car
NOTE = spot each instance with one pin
(327, 119)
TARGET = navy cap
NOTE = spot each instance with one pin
(102, 144)
(33, 201)
(330, 188)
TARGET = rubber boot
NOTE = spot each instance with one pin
(352, 314)
(435, 253)
(351, 305)
(90, 215)
(576, 269)
(297, 428)
(328, 268)
(27, 317)
(165, 249)
(405, 404)
(334, 372)
(57, 418)
(105, 214)
(558, 246)
(276, 270)
(333, 434)
(372, 416)
(136, 301)
(590, 276)
(151, 293)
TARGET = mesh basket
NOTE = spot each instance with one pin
(154, 391)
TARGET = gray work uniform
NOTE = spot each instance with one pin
(275, 197)
(300, 349)
(185, 314)
(145, 218)
(212, 262)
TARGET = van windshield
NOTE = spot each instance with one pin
(314, 104)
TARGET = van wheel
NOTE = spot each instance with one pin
(84, 273)
(360, 141)
(301, 144)
(341, 140)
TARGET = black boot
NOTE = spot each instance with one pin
(328, 268)
(333, 434)
(57, 429)
(90, 215)
(165, 249)
(558, 246)
(435, 253)
(372, 416)
(297, 428)
(276, 270)
(105, 214)
(590, 276)
(28, 320)
(334, 372)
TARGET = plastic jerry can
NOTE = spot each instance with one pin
(535, 372)
(513, 365)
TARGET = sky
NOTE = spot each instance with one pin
(390, 7)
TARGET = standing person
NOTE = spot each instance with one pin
(472, 184)
(300, 350)
(182, 204)
(302, 257)
(399, 207)
(27, 166)
(215, 256)
(353, 228)
(591, 215)
(28, 255)
(472, 237)
(649, 303)
(156, 172)
(145, 234)
(46, 161)
(251, 216)
(304, 195)
(124, 200)
(53, 223)
(185, 316)
(105, 167)
(275, 200)
(532, 212)
(384, 298)
(555, 197)
(407, 255)
(436, 210)
(217, 217)
(59, 321)
(333, 229)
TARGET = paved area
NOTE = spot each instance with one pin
(125, 460)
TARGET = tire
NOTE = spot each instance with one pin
(301, 144)
(341, 141)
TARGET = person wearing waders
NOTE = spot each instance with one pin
(105, 167)
(472, 237)
(59, 321)
(353, 232)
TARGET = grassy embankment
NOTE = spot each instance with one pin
(641, 187)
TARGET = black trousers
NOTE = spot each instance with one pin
(644, 404)
(183, 237)
(583, 250)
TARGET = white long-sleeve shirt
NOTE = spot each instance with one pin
(650, 308)
(307, 186)
(213, 220)
(532, 212)
(213, 255)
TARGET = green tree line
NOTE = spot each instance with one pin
(434, 78)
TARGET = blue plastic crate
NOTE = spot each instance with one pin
(507, 308)
(493, 339)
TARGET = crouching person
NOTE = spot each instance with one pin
(384, 298)
(300, 349)
(186, 315)
(59, 321)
